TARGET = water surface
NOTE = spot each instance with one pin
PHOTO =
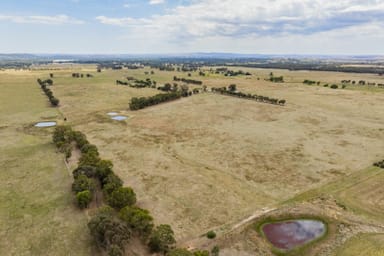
(45, 124)
(287, 235)
(119, 118)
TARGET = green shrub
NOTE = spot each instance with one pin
(122, 197)
(334, 86)
(84, 198)
(82, 183)
(138, 219)
(161, 239)
(111, 183)
(211, 234)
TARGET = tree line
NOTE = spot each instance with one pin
(143, 102)
(120, 219)
(231, 91)
(188, 81)
(79, 75)
(44, 86)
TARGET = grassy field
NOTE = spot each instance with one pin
(37, 215)
(363, 244)
(209, 161)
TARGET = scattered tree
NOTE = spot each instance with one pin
(161, 239)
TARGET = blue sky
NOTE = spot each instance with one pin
(182, 26)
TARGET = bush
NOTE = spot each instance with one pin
(211, 234)
(138, 219)
(89, 171)
(161, 239)
(111, 183)
(122, 197)
(83, 199)
(108, 231)
(334, 86)
(82, 183)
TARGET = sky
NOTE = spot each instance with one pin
(323, 27)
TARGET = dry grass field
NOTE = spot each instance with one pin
(209, 161)
(37, 215)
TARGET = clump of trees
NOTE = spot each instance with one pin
(44, 86)
(379, 164)
(143, 102)
(231, 91)
(188, 81)
(276, 79)
(147, 83)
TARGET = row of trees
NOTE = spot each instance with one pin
(188, 81)
(379, 164)
(231, 91)
(310, 82)
(115, 223)
(44, 86)
(79, 75)
(143, 102)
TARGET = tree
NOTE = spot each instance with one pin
(180, 252)
(54, 101)
(84, 198)
(161, 239)
(334, 86)
(89, 171)
(62, 135)
(111, 183)
(82, 183)
(122, 197)
(138, 219)
(107, 231)
(232, 88)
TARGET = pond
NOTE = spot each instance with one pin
(45, 124)
(119, 118)
(287, 235)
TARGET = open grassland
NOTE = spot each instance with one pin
(37, 216)
(208, 161)
(363, 244)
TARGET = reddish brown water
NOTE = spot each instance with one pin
(290, 234)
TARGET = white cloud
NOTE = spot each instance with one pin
(156, 2)
(48, 20)
(240, 25)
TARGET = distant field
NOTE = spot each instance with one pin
(37, 215)
(209, 161)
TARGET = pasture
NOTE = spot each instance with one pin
(203, 162)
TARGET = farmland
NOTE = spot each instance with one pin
(200, 163)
